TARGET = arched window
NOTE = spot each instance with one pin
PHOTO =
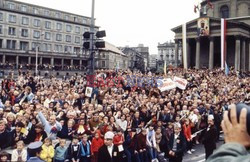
(224, 11)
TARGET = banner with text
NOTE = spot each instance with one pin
(180, 83)
(166, 84)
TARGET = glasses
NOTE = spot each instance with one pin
(109, 139)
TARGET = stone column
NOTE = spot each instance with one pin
(176, 52)
(41, 60)
(52, 61)
(197, 55)
(80, 64)
(17, 61)
(237, 53)
(243, 55)
(211, 53)
(29, 60)
(188, 53)
(71, 63)
(62, 63)
(249, 55)
(4, 59)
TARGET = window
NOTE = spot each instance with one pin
(103, 64)
(67, 49)
(77, 29)
(103, 55)
(224, 11)
(24, 33)
(77, 39)
(47, 47)
(11, 44)
(68, 28)
(58, 15)
(24, 46)
(11, 6)
(75, 19)
(47, 35)
(58, 48)
(25, 20)
(24, 8)
(36, 34)
(68, 38)
(46, 12)
(47, 24)
(12, 31)
(58, 26)
(66, 17)
(12, 18)
(84, 21)
(1, 16)
(35, 10)
(59, 37)
(34, 44)
(77, 50)
(37, 23)
(1, 29)
(1, 43)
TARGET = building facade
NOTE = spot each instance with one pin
(57, 34)
(152, 61)
(111, 57)
(145, 53)
(204, 46)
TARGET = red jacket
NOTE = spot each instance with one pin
(187, 131)
(96, 144)
(118, 139)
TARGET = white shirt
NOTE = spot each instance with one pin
(110, 149)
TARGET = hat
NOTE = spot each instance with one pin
(109, 135)
(35, 145)
(210, 117)
(177, 125)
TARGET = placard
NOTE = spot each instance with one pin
(180, 83)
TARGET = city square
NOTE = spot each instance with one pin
(94, 81)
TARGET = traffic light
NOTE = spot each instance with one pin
(86, 35)
(86, 45)
(100, 44)
(97, 42)
(101, 34)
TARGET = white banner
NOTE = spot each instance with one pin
(180, 83)
(166, 84)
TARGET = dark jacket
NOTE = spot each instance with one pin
(5, 139)
(209, 139)
(181, 145)
(104, 155)
(73, 153)
(64, 133)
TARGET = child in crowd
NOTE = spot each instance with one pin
(4, 157)
(20, 153)
(96, 143)
(74, 150)
(61, 151)
(48, 151)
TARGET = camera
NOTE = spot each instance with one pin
(239, 107)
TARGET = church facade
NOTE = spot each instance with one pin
(204, 35)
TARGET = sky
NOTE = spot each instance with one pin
(131, 22)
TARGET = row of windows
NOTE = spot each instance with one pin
(37, 35)
(37, 23)
(12, 44)
(46, 12)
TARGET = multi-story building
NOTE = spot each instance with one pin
(111, 57)
(152, 61)
(166, 52)
(136, 59)
(57, 34)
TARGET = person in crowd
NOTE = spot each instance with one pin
(176, 145)
(20, 153)
(73, 154)
(5, 136)
(210, 137)
(36, 133)
(151, 142)
(96, 143)
(61, 151)
(48, 151)
(187, 132)
(34, 150)
(109, 151)
(4, 156)
(85, 149)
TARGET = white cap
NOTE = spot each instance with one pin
(109, 135)
(210, 117)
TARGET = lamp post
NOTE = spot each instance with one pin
(92, 30)
(37, 55)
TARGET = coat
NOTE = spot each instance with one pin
(104, 155)
(210, 137)
(23, 155)
(96, 144)
(47, 153)
(181, 145)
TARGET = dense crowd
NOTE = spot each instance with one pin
(125, 112)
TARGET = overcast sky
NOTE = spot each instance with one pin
(131, 22)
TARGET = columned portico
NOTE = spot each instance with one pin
(188, 54)
(197, 55)
(176, 52)
(62, 63)
(52, 61)
(237, 53)
(29, 60)
(243, 55)
(80, 64)
(211, 53)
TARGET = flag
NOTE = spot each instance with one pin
(165, 68)
(226, 69)
(223, 42)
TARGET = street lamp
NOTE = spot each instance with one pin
(37, 55)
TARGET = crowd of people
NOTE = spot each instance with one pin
(125, 118)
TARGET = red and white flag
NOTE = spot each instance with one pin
(223, 42)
